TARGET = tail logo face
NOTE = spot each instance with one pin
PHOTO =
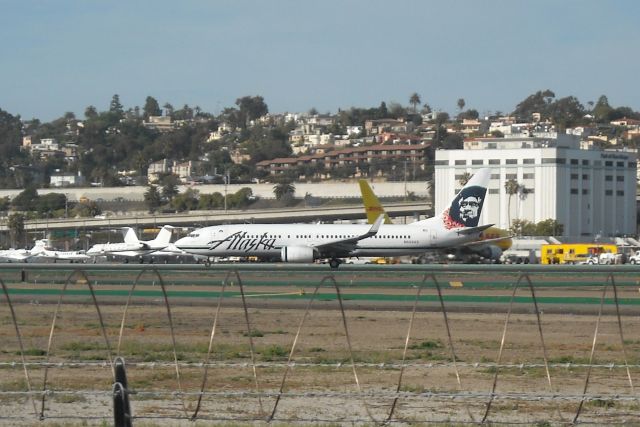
(465, 208)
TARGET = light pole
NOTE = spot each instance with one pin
(226, 182)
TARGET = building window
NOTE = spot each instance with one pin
(574, 191)
(585, 163)
(477, 162)
(631, 165)
(608, 163)
(511, 176)
(461, 162)
(620, 193)
(556, 160)
(492, 145)
(620, 178)
(441, 163)
(608, 178)
(494, 191)
(512, 161)
(494, 161)
(574, 161)
(620, 164)
(574, 176)
(495, 176)
(585, 177)
(597, 163)
(608, 192)
(528, 175)
(585, 191)
(528, 161)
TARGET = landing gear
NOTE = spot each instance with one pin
(334, 263)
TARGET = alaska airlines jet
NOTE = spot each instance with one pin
(132, 247)
(492, 243)
(307, 242)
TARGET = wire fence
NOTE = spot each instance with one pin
(233, 359)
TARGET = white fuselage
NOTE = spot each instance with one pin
(267, 240)
(64, 255)
(124, 249)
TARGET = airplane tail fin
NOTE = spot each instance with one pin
(129, 235)
(466, 207)
(39, 246)
(164, 236)
(372, 205)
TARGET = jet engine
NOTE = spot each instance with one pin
(297, 254)
(491, 252)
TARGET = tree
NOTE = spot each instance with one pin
(602, 109)
(284, 190)
(549, 227)
(523, 227)
(251, 108)
(115, 106)
(415, 100)
(169, 185)
(461, 104)
(152, 198)
(511, 187)
(151, 108)
(16, 228)
(188, 200)
(25, 200)
(90, 112)
(168, 109)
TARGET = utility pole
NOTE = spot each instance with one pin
(226, 182)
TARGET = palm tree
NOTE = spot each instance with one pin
(511, 187)
(284, 190)
(414, 100)
(461, 104)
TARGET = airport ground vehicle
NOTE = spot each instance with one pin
(635, 258)
(578, 253)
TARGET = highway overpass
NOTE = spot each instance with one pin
(203, 218)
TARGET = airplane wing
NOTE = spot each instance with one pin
(487, 241)
(345, 246)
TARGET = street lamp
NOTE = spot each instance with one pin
(226, 182)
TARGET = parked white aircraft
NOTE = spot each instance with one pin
(19, 255)
(306, 242)
(40, 250)
(132, 246)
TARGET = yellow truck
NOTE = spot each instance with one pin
(578, 253)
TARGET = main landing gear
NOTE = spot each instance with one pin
(334, 263)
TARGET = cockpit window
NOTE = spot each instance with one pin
(194, 235)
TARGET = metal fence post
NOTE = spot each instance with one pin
(121, 407)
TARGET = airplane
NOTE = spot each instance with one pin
(132, 246)
(492, 243)
(40, 250)
(304, 243)
(21, 255)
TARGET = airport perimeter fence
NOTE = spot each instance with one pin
(547, 345)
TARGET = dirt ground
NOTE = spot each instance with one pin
(321, 385)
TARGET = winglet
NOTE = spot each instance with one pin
(374, 228)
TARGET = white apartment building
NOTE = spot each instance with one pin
(590, 192)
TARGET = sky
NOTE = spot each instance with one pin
(65, 55)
